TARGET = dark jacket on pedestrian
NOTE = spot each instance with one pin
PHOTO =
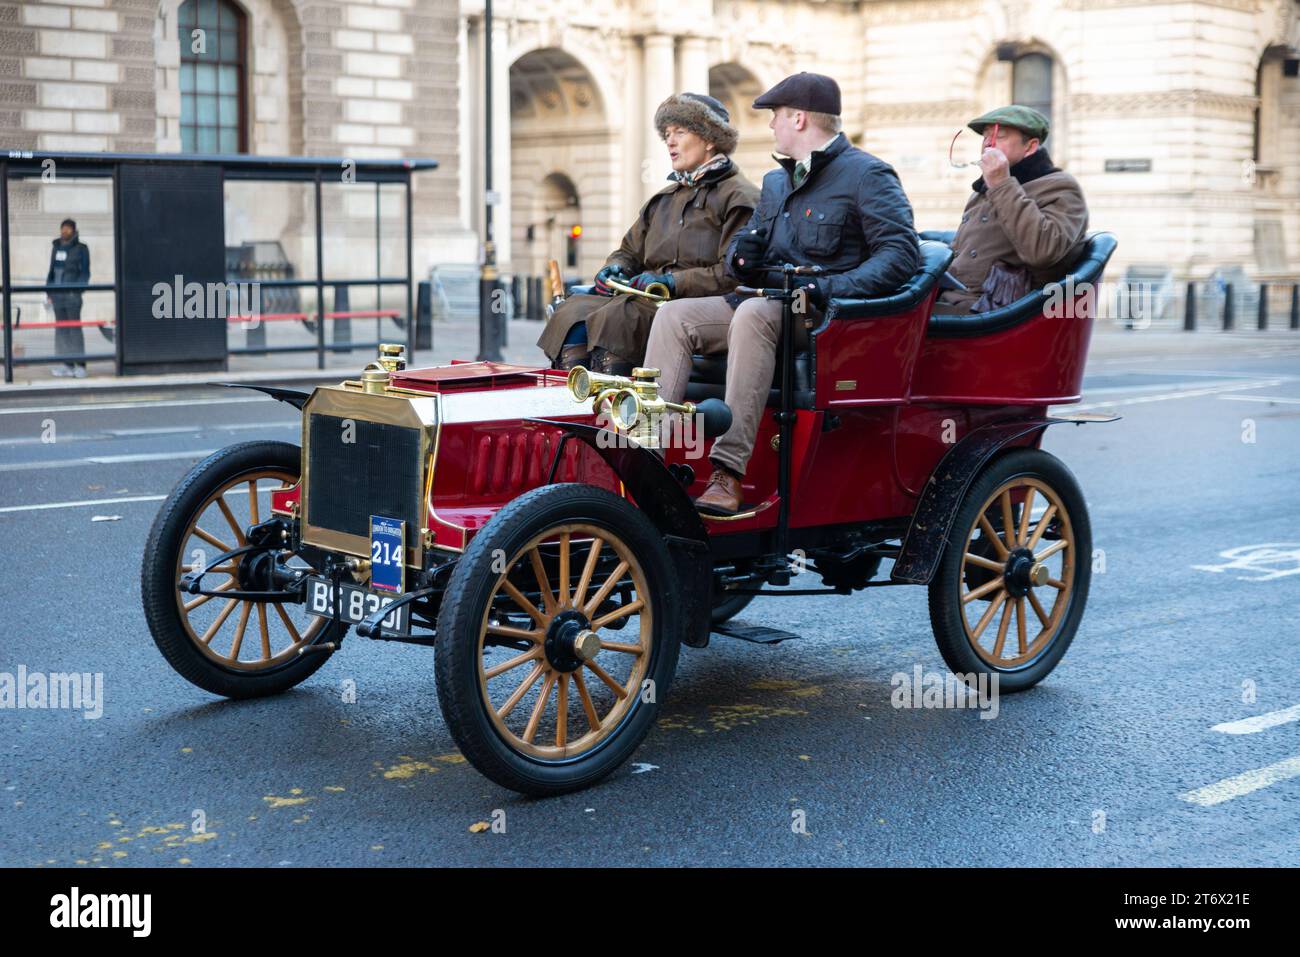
(849, 215)
(69, 266)
(683, 230)
(1034, 221)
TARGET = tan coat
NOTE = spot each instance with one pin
(1040, 224)
(684, 230)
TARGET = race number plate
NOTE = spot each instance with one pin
(387, 552)
(355, 604)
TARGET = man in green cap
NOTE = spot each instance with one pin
(1024, 225)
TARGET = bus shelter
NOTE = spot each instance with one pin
(179, 292)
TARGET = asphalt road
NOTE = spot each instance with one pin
(1137, 750)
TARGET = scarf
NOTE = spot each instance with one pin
(720, 164)
(1033, 166)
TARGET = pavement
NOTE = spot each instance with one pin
(1168, 735)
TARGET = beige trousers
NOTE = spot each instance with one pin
(749, 336)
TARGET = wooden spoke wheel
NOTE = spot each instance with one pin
(1014, 577)
(555, 644)
(230, 646)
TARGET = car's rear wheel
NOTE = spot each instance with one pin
(536, 693)
(233, 647)
(1013, 580)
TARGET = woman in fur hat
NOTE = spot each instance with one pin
(679, 239)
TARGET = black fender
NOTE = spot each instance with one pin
(292, 396)
(918, 560)
(663, 500)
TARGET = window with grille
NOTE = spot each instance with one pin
(214, 43)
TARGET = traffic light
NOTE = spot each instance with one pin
(575, 231)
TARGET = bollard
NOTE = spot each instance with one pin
(1261, 313)
(536, 301)
(424, 316)
(1228, 309)
(342, 327)
(1189, 309)
(1295, 305)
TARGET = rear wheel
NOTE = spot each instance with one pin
(1013, 581)
(537, 694)
(232, 647)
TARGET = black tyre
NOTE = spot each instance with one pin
(535, 696)
(727, 606)
(1019, 553)
(231, 647)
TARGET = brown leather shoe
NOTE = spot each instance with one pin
(606, 363)
(722, 496)
(575, 355)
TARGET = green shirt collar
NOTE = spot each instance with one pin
(802, 168)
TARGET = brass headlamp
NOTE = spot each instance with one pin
(634, 404)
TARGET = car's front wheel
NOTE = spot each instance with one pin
(557, 639)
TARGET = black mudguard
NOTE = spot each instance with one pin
(943, 493)
(292, 396)
(664, 501)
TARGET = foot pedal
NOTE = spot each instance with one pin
(758, 634)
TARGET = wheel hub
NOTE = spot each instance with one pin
(1023, 572)
(570, 641)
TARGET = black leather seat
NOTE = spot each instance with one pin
(1088, 268)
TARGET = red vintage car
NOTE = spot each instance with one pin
(524, 525)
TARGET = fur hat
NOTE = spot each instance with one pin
(702, 115)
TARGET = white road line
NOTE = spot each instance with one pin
(105, 406)
(109, 434)
(1242, 784)
(105, 460)
(1260, 722)
(1261, 398)
(100, 501)
(1185, 394)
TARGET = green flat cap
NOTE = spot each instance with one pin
(1024, 118)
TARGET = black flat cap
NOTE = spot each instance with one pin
(812, 92)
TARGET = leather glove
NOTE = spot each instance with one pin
(614, 270)
(816, 300)
(751, 247)
(643, 280)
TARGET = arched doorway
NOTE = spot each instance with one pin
(561, 148)
(737, 88)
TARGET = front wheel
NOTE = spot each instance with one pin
(536, 691)
(1014, 576)
(233, 647)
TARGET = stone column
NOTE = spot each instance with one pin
(693, 65)
(660, 75)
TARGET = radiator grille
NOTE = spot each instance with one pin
(379, 473)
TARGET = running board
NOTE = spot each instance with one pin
(757, 634)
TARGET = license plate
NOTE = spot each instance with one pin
(387, 554)
(355, 604)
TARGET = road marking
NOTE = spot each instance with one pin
(1241, 784)
(1261, 398)
(100, 501)
(105, 406)
(108, 434)
(106, 460)
(1184, 394)
(1260, 722)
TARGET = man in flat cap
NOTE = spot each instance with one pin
(830, 205)
(1024, 225)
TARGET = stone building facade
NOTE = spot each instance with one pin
(1181, 120)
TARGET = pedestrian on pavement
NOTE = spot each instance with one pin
(69, 266)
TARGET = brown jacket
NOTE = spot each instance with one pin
(1037, 218)
(681, 229)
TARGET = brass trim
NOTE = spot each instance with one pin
(739, 515)
(340, 402)
(846, 385)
